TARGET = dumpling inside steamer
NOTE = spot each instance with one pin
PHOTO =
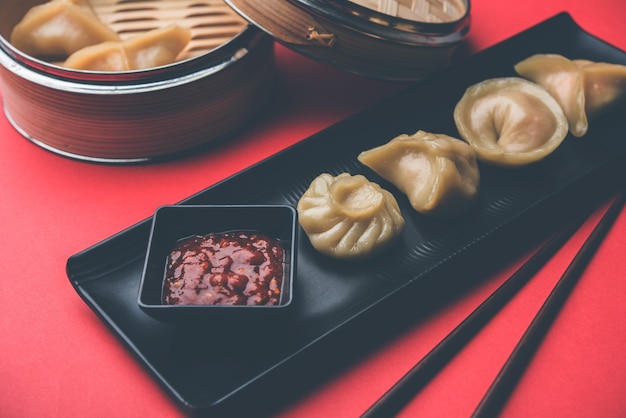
(349, 217)
(582, 88)
(510, 121)
(59, 28)
(438, 173)
(151, 49)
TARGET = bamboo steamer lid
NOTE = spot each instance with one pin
(389, 39)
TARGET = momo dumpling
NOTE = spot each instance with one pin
(59, 28)
(561, 78)
(152, 49)
(438, 173)
(582, 88)
(348, 216)
(604, 85)
(510, 121)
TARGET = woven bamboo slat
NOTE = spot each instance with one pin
(429, 11)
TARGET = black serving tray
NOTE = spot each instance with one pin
(215, 370)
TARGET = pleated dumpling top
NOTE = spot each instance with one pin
(349, 217)
(438, 173)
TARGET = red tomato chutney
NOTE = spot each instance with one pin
(230, 268)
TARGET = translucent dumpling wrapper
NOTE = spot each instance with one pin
(561, 78)
(349, 217)
(604, 85)
(510, 122)
(582, 88)
(59, 28)
(155, 48)
(438, 173)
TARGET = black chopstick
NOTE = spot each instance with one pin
(504, 383)
(392, 401)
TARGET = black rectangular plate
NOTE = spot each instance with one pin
(205, 369)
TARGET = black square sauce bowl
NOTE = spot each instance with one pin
(220, 263)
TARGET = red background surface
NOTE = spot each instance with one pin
(57, 359)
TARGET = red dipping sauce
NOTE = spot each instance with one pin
(230, 268)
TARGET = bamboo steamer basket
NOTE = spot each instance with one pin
(403, 40)
(219, 83)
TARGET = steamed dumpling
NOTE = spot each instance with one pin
(151, 49)
(438, 173)
(604, 84)
(59, 28)
(561, 78)
(582, 88)
(348, 216)
(510, 121)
